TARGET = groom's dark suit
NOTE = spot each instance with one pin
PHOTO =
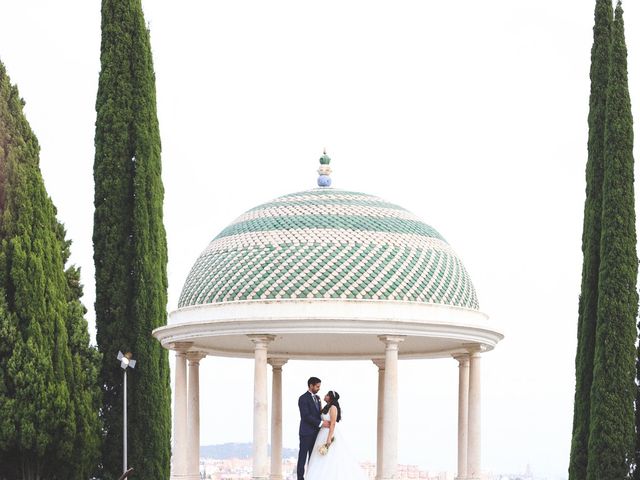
(309, 406)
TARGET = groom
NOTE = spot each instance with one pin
(310, 422)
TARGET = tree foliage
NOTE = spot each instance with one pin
(604, 430)
(49, 425)
(130, 253)
(612, 429)
(591, 233)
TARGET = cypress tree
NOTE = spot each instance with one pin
(130, 251)
(613, 392)
(587, 309)
(43, 409)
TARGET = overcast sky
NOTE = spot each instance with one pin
(470, 114)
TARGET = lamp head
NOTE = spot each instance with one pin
(126, 361)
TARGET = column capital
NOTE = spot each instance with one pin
(391, 341)
(277, 362)
(261, 340)
(195, 357)
(180, 347)
(475, 349)
(378, 362)
(462, 358)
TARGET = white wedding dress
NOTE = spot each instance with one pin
(338, 464)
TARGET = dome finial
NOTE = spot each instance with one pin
(325, 170)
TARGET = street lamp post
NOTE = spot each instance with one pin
(125, 362)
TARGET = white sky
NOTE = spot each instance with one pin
(470, 114)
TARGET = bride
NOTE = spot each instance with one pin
(331, 457)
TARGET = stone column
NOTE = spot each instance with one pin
(390, 407)
(276, 418)
(474, 440)
(260, 402)
(379, 362)
(179, 457)
(193, 416)
(463, 413)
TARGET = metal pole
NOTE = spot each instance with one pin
(124, 417)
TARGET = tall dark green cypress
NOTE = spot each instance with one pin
(591, 232)
(613, 392)
(49, 427)
(130, 251)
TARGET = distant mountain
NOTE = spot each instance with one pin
(237, 450)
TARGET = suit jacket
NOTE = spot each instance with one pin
(309, 415)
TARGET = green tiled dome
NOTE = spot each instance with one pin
(329, 243)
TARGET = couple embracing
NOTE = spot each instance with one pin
(320, 442)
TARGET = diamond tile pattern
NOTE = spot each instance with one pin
(328, 243)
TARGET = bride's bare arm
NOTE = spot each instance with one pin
(333, 414)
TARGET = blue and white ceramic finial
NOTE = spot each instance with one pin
(324, 180)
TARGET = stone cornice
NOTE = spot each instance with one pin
(463, 327)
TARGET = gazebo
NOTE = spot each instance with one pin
(326, 274)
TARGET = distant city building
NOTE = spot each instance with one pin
(241, 469)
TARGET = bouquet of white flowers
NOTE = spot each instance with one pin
(324, 448)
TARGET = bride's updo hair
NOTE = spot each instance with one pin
(333, 400)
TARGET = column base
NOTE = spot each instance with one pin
(266, 477)
(179, 476)
(275, 477)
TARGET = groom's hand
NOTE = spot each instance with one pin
(326, 423)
